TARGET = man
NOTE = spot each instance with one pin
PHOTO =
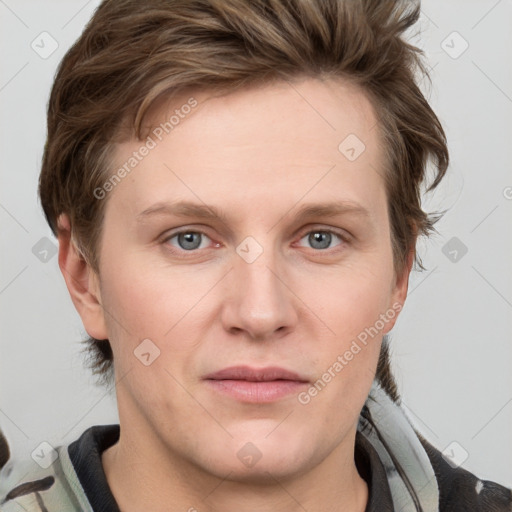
(235, 190)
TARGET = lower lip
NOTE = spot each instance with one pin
(257, 392)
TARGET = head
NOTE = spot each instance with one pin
(255, 111)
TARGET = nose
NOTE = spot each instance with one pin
(259, 301)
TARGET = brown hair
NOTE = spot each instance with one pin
(133, 53)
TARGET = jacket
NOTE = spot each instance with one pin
(404, 472)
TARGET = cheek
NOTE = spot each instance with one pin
(149, 311)
(346, 358)
(353, 300)
(171, 305)
(354, 307)
(144, 300)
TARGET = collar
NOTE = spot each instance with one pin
(388, 455)
(409, 472)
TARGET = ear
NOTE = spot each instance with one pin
(399, 291)
(82, 282)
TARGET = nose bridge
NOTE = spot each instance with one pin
(260, 302)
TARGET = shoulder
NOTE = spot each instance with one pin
(460, 490)
(50, 486)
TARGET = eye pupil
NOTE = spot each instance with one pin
(320, 239)
(189, 240)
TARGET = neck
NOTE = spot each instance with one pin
(143, 475)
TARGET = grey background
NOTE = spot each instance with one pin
(451, 346)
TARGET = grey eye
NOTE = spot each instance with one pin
(189, 240)
(320, 239)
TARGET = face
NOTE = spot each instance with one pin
(246, 277)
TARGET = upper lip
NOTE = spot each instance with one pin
(250, 374)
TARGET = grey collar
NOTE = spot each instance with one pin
(410, 474)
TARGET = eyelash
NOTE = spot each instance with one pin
(344, 239)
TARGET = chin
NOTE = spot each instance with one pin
(262, 460)
(280, 466)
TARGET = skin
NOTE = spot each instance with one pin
(258, 155)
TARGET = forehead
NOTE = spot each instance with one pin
(284, 138)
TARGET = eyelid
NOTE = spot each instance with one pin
(170, 233)
(343, 235)
(177, 253)
(336, 247)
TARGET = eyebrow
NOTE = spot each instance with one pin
(182, 209)
(203, 211)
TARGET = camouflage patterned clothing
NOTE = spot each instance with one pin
(403, 472)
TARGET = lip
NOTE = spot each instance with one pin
(256, 385)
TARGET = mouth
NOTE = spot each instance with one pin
(256, 385)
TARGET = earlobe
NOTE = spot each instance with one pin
(82, 282)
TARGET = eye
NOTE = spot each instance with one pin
(188, 240)
(321, 239)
